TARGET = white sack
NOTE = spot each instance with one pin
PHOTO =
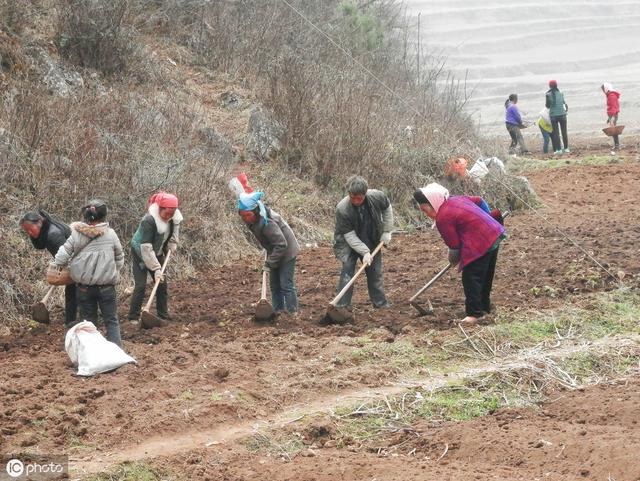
(91, 352)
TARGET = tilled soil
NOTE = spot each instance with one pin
(214, 366)
(588, 434)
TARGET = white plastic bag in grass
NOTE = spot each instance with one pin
(91, 352)
(478, 171)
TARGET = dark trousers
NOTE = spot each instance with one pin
(374, 280)
(517, 140)
(559, 123)
(90, 298)
(284, 295)
(477, 280)
(137, 297)
(70, 305)
(613, 120)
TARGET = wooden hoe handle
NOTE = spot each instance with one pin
(157, 282)
(353, 279)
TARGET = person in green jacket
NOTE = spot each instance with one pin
(157, 234)
(558, 108)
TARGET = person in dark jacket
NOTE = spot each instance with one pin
(473, 234)
(514, 124)
(364, 218)
(46, 232)
(558, 108)
(276, 237)
(94, 255)
(157, 234)
(613, 109)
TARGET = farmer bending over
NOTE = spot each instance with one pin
(274, 234)
(94, 255)
(364, 218)
(156, 235)
(48, 233)
(472, 235)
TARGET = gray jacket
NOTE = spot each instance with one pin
(345, 240)
(277, 238)
(93, 253)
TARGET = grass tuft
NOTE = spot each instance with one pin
(132, 472)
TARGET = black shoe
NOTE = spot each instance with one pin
(165, 317)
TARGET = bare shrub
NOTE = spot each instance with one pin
(94, 33)
(345, 101)
(57, 153)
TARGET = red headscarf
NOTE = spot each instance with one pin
(164, 200)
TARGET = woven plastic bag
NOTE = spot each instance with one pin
(91, 353)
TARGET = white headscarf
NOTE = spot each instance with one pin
(435, 194)
(607, 87)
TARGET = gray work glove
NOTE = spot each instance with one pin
(454, 256)
(385, 238)
(367, 259)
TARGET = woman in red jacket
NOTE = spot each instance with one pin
(473, 235)
(613, 109)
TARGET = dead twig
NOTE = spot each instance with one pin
(446, 450)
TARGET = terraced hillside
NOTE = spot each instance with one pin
(503, 46)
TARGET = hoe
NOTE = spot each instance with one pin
(339, 315)
(147, 319)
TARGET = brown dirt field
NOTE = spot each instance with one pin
(214, 368)
(587, 434)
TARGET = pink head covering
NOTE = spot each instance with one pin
(436, 195)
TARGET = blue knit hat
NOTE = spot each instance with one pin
(251, 201)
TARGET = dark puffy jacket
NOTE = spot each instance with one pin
(277, 238)
(53, 234)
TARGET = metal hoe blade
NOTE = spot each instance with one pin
(40, 313)
(148, 320)
(338, 315)
(421, 310)
(264, 311)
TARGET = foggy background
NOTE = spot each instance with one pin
(507, 46)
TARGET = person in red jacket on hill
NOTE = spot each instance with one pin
(613, 109)
(473, 234)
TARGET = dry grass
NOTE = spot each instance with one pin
(136, 126)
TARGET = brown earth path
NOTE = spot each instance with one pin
(161, 446)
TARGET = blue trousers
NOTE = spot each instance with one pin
(374, 281)
(284, 295)
(546, 138)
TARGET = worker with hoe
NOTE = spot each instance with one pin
(276, 237)
(473, 235)
(364, 218)
(94, 255)
(157, 233)
(46, 232)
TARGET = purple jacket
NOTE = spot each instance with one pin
(513, 115)
(464, 225)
